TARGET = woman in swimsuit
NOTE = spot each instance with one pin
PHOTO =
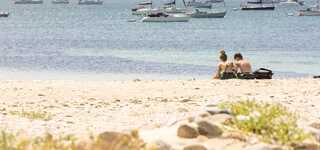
(225, 69)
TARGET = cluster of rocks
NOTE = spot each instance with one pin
(206, 131)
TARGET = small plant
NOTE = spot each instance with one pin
(272, 122)
(32, 115)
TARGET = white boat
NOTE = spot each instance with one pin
(60, 2)
(90, 2)
(291, 2)
(257, 5)
(205, 14)
(311, 11)
(4, 14)
(164, 17)
(28, 1)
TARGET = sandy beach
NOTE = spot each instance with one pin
(82, 107)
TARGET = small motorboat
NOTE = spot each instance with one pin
(60, 2)
(4, 14)
(259, 5)
(291, 2)
(205, 14)
(28, 2)
(164, 17)
(90, 2)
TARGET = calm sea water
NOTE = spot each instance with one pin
(100, 40)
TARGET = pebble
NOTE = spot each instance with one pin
(307, 146)
(187, 131)
(158, 145)
(195, 147)
(209, 129)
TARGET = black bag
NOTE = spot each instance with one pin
(263, 73)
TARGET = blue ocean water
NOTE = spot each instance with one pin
(100, 40)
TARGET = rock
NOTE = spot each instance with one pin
(316, 77)
(215, 111)
(209, 129)
(315, 125)
(158, 145)
(195, 147)
(187, 131)
(204, 115)
(264, 147)
(306, 146)
(117, 141)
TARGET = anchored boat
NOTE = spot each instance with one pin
(257, 5)
(28, 1)
(90, 2)
(4, 14)
(60, 2)
(164, 17)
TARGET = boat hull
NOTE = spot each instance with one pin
(4, 15)
(28, 2)
(258, 8)
(166, 19)
(91, 3)
(209, 15)
(62, 2)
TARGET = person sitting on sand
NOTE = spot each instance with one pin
(225, 69)
(242, 67)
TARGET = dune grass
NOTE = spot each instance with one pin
(272, 122)
(10, 141)
(33, 115)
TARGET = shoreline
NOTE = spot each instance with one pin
(82, 107)
(84, 76)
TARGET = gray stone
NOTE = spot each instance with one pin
(306, 146)
(187, 131)
(263, 146)
(209, 129)
(315, 125)
(215, 111)
(195, 147)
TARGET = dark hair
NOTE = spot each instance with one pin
(238, 55)
(223, 56)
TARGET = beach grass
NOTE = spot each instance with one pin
(33, 115)
(273, 123)
(9, 141)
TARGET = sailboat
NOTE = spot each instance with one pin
(28, 1)
(90, 2)
(60, 2)
(257, 5)
(311, 11)
(212, 13)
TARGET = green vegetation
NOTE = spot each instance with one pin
(32, 115)
(14, 142)
(272, 122)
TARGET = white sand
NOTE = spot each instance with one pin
(82, 107)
